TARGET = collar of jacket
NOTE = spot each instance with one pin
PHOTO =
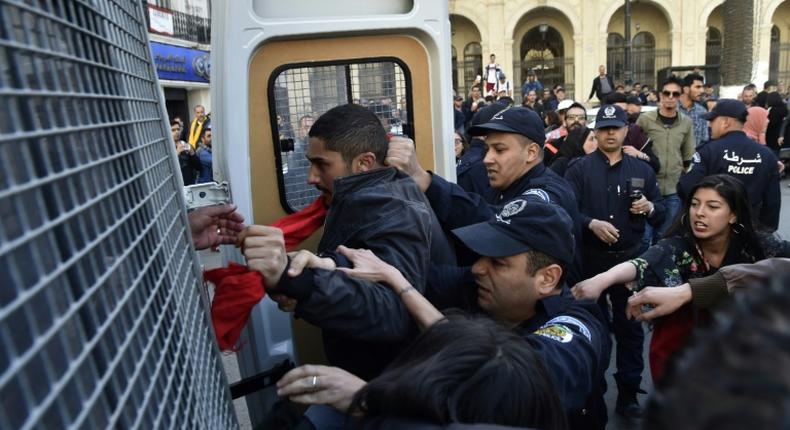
(653, 116)
(521, 184)
(352, 183)
(547, 308)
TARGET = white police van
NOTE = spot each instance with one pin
(103, 318)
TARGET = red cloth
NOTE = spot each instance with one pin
(670, 335)
(238, 289)
(300, 225)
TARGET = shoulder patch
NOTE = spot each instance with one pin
(696, 159)
(565, 319)
(537, 192)
(557, 332)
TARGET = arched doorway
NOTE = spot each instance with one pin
(643, 50)
(543, 51)
(543, 42)
(776, 52)
(454, 67)
(465, 38)
(651, 45)
(615, 56)
(713, 45)
(473, 63)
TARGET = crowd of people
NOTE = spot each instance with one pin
(490, 301)
(193, 147)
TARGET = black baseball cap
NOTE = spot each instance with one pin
(727, 107)
(611, 116)
(527, 223)
(519, 120)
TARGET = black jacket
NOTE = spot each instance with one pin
(470, 171)
(603, 193)
(752, 163)
(365, 324)
(596, 88)
(190, 166)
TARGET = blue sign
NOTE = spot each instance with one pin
(181, 64)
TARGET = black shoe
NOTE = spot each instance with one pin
(627, 404)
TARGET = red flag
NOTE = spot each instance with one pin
(238, 289)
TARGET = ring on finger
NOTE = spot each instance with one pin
(314, 382)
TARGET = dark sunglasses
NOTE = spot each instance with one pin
(674, 94)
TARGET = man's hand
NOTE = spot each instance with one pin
(264, 249)
(605, 231)
(641, 206)
(403, 156)
(781, 166)
(630, 150)
(780, 140)
(320, 385)
(665, 299)
(215, 225)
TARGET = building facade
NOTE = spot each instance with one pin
(564, 41)
(180, 36)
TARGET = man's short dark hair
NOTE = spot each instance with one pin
(537, 260)
(577, 105)
(672, 79)
(174, 122)
(351, 130)
(691, 77)
(615, 97)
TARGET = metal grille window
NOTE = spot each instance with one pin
(102, 324)
(300, 94)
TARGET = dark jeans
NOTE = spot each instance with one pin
(628, 334)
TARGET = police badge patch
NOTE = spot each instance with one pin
(556, 332)
(511, 209)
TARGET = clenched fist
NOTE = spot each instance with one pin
(264, 249)
(402, 155)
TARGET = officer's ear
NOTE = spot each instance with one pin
(547, 278)
(364, 162)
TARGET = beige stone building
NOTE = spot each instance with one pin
(565, 41)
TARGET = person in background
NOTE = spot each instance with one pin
(734, 154)
(531, 84)
(602, 85)
(197, 126)
(636, 143)
(578, 143)
(531, 101)
(748, 95)
(492, 72)
(689, 104)
(205, 156)
(762, 97)
(470, 106)
(756, 124)
(777, 112)
(458, 113)
(187, 160)
(618, 195)
(552, 121)
(460, 145)
(575, 117)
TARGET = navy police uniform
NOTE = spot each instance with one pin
(737, 155)
(570, 335)
(605, 192)
(455, 207)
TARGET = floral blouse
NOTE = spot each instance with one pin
(673, 261)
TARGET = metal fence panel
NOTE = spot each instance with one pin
(102, 321)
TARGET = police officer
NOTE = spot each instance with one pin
(513, 161)
(733, 153)
(617, 195)
(520, 282)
